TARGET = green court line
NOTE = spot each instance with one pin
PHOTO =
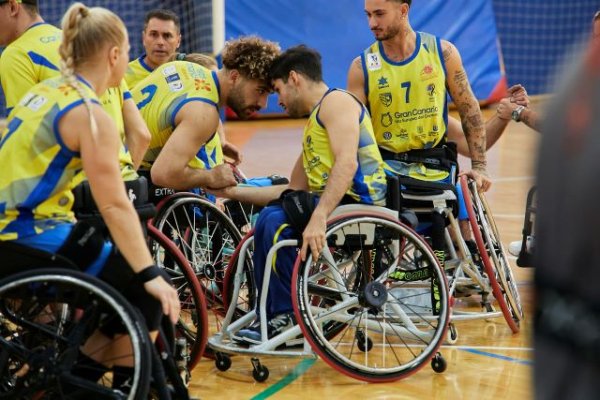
(300, 369)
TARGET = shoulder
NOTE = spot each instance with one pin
(449, 51)
(339, 103)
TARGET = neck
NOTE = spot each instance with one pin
(150, 63)
(315, 92)
(96, 77)
(401, 46)
(25, 22)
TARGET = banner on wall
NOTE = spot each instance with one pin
(339, 30)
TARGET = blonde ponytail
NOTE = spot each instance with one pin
(70, 28)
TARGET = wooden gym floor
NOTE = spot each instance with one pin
(487, 362)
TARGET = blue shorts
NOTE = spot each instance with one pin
(52, 240)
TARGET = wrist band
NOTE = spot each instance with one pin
(148, 273)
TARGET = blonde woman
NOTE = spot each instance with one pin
(60, 127)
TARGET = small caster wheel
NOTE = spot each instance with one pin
(452, 334)
(222, 361)
(363, 343)
(438, 363)
(261, 373)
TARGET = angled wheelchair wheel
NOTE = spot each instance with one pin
(242, 214)
(493, 255)
(193, 318)
(47, 316)
(207, 239)
(377, 309)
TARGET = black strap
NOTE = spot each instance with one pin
(442, 157)
(148, 273)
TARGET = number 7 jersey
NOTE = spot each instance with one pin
(407, 99)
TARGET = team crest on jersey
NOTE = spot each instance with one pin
(382, 83)
(386, 119)
(428, 72)
(403, 134)
(373, 62)
(202, 84)
(169, 70)
(175, 86)
(431, 90)
(386, 99)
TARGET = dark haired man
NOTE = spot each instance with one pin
(339, 163)
(161, 38)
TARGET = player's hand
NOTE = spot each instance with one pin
(231, 151)
(222, 176)
(518, 95)
(480, 177)
(314, 236)
(167, 295)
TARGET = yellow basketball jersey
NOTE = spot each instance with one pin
(30, 59)
(161, 95)
(368, 184)
(137, 70)
(408, 101)
(37, 168)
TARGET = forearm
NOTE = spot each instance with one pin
(137, 146)
(183, 179)
(126, 230)
(474, 129)
(531, 119)
(494, 128)
(260, 196)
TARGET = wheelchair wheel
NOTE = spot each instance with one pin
(242, 214)
(193, 319)
(207, 238)
(47, 316)
(352, 298)
(493, 255)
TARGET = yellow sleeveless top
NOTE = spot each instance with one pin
(137, 70)
(30, 59)
(408, 101)
(160, 96)
(368, 184)
(37, 168)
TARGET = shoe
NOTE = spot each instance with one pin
(514, 248)
(276, 325)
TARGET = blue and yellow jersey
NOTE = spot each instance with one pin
(161, 95)
(30, 59)
(408, 101)
(368, 184)
(112, 101)
(137, 70)
(37, 168)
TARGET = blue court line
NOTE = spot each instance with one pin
(499, 356)
(300, 369)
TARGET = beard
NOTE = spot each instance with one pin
(391, 32)
(237, 103)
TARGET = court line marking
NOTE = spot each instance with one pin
(498, 356)
(500, 348)
(299, 370)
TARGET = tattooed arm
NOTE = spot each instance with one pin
(470, 114)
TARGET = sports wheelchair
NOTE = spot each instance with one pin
(52, 311)
(348, 311)
(206, 234)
